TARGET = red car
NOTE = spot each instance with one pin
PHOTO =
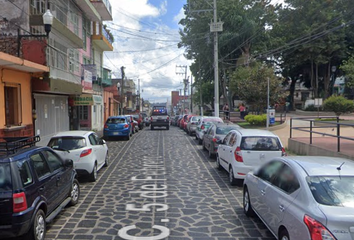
(181, 123)
(139, 118)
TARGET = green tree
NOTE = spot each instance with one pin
(348, 68)
(251, 83)
(338, 105)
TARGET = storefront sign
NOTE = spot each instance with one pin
(87, 100)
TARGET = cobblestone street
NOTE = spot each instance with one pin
(162, 184)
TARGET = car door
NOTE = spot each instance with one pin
(280, 195)
(207, 137)
(265, 176)
(62, 175)
(229, 150)
(98, 149)
(222, 151)
(47, 182)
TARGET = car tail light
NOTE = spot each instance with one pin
(317, 230)
(151, 119)
(126, 125)
(283, 152)
(168, 118)
(202, 127)
(86, 152)
(238, 155)
(105, 126)
(19, 202)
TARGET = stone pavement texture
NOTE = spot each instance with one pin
(160, 178)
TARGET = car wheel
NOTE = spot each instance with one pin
(284, 235)
(93, 175)
(200, 141)
(128, 137)
(211, 155)
(38, 229)
(75, 193)
(196, 138)
(106, 161)
(218, 165)
(247, 207)
(232, 179)
(204, 148)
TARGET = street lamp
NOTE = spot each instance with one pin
(118, 88)
(334, 69)
(47, 21)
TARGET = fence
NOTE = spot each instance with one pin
(325, 124)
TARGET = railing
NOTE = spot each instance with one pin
(107, 36)
(327, 124)
(281, 117)
(10, 145)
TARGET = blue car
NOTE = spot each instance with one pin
(117, 126)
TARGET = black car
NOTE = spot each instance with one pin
(35, 185)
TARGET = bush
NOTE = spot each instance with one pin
(338, 105)
(257, 120)
(312, 107)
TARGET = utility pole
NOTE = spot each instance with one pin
(185, 82)
(180, 93)
(216, 27)
(122, 91)
(191, 96)
(139, 102)
(267, 125)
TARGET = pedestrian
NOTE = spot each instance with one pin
(242, 109)
(226, 111)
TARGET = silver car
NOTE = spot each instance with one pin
(203, 125)
(192, 125)
(303, 198)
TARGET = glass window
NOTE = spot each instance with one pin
(195, 119)
(67, 143)
(5, 177)
(13, 112)
(269, 171)
(40, 165)
(225, 129)
(260, 143)
(25, 173)
(232, 141)
(115, 120)
(54, 161)
(93, 140)
(287, 180)
(227, 138)
(332, 190)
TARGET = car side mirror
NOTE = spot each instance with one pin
(102, 141)
(68, 163)
(219, 141)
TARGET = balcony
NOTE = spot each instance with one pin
(104, 8)
(89, 10)
(106, 77)
(102, 38)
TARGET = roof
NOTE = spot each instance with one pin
(72, 133)
(117, 116)
(324, 166)
(255, 132)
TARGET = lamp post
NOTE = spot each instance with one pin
(47, 21)
(334, 69)
(118, 87)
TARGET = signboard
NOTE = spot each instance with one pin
(216, 27)
(87, 81)
(87, 100)
(318, 102)
(271, 116)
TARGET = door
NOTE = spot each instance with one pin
(229, 150)
(280, 195)
(222, 151)
(99, 149)
(47, 182)
(208, 137)
(265, 177)
(62, 175)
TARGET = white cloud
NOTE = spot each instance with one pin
(137, 28)
(179, 16)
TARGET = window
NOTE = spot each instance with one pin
(260, 143)
(54, 161)
(232, 141)
(25, 173)
(40, 165)
(83, 112)
(270, 170)
(287, 180)
(13, 107)
(93, 140)
(67, 143)
(5, 177)
(226, 139)
(115, 120)
(225, 130)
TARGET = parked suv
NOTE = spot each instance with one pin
(35, 185)
(159, 118)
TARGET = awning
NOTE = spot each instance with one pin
(87, 100)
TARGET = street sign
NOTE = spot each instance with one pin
(318, 102)
(216, 27)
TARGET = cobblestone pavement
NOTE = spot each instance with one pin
(162, 184)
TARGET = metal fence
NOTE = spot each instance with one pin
(312, 129)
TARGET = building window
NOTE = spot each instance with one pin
(83, 112)
(74, 60)
(13, 105)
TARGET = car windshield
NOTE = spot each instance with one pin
(225, 129)
(116, 120)
(260, 143)
(67, 143)
(212, 120)
(195, 119)
(5, 177)
(332, 191)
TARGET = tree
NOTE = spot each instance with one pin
(348, 68)
(338, 105)
(250, 83)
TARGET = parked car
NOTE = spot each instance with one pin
(303, 197)
(174, 120)
(117, 126)
(35, 185)
(181, 123)
(180, 117)
(185, 123)
(242, 150)
(140, 120)
(136, 126)
(215, 135)
(192, 124)
(131, 122)
(203, 126)
(85, 148)
(146, 119)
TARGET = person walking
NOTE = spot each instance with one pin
(242, 109)
(226, 111)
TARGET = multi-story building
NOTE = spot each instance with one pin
(129, 96)
(73, 51)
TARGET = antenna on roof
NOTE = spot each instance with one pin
(340, 167)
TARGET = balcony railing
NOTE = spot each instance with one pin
(107, 35)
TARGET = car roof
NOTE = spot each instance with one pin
(323, 166)
(75, 133)
(117, 117)
(20, 154)
(255, 132)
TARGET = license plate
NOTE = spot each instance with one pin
(159, 118)
(116, 133)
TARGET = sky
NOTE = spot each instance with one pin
(146, 37)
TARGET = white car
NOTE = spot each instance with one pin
(242, 150)
(303, 197)
(88, 152)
